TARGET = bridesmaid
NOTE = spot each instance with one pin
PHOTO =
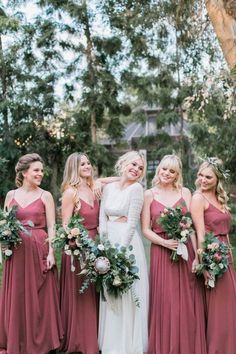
(211, 214)
(79, 311)
(173, 324)
(29, 303)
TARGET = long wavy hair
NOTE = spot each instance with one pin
(23, 165)
(220, 192)
(71, 175)
(171, 162)
(128, 158)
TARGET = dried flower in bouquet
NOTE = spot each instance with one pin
(73, 238)
(177, 225)
(10, 228)
(214, 258)
(112, 268)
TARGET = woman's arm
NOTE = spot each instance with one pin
(197, 212)
(188, 197)
(67, 205)
(135, 207)
(50, 221)
(101, 182)
(146, 225)
(8, 199)
(102, 215)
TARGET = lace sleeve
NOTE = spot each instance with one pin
(102, 215)
(135, 207)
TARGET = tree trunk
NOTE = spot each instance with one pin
(91, 67)
(3, 92)
(224, 25)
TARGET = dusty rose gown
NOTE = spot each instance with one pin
(176, 313)
(29, 303)
(79, 311)
(221, 301)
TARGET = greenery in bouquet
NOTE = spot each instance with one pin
(10, 227)
(73, 239)
(214, 258)
(112, 268)
(177, 225)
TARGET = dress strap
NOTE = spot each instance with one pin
(153, 193)
(202, 196)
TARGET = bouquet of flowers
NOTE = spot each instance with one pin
(10, 227)
(215, 258)
(73, 239)
(179, 227)
(112, 268)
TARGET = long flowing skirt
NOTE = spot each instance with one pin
(123, 325)
(29, 302)
(176, 314)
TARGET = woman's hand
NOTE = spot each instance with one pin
(50, 260)
(97, 189)
(171, 244)
(207, 277)
(195, 264)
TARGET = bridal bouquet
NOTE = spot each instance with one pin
(179, 227)
(215, 258)
(10, 227)
(112, 268)
(73, 239)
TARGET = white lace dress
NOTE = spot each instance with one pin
(123, 326)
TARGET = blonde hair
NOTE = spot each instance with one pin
(216, 168)
(71, 176)
(171, 162)
(23, 165)
(126, 159)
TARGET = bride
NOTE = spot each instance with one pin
(123, 325)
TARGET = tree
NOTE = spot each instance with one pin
(223, 17)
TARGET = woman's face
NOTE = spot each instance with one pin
(167, 175)
(207, 179)
(85, 168)
(34, 174)
(134, 170)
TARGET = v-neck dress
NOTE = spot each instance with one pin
(79, 311)
(221, 301)
(30, 321)
(176, 311)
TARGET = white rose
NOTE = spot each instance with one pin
(184, 233)
(8, 252)
(68, 252)
(101, 247)
(76, 252)
(117, 281)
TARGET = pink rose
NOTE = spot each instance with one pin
(217, 257)
(75, 231)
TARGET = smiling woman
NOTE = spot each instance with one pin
(120, 222)
(29, 304)
(211, 214)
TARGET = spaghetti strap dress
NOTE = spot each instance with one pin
(176, 312)
(221, 300)
(29, 303)
(79, 311)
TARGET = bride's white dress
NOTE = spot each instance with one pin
(123, 326)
